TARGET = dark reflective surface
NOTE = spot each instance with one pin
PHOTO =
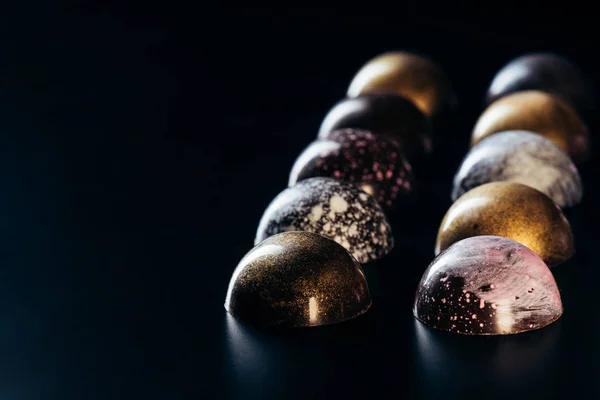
(502, 360)
(139, 145)
(437, 363)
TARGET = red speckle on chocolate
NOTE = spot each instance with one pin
(358, 156)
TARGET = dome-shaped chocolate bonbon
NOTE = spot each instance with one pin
(374, 163)
(537, 112)
(297, 279)
(546, 72)
(510, 210)
(487, 285)
(412, 76)
(335, 209)
(383, 114)
(522, 157)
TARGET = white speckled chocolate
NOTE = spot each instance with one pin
(335, 209)
(487, 285)
(523, 157)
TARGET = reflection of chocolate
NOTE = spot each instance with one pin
(522, 157)
(297, 279)
(500, 362)
(537, 112)
(335, 209)
(382, 114)
(373, 163)
(513, 211)
(487, 285)
(546, 72)
(409, 75)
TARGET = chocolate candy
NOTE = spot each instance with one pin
(523, 157)
(375, 164)
(513, 211)
(537, 112)
(412, 76)
(487, 285)
(382, 114)
(336, 209)
(297, 279)
(546, 72)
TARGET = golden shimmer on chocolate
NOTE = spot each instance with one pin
(415, 77)
(297, 279)
(539, 112)
(513, 211)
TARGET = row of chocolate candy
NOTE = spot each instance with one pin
(305, 267)
(506, 225)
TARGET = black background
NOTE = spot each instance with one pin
(139, 145)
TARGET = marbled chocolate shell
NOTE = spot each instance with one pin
(522, 157)
(335, 209)
(375, 164)
(513, 211)
(297, 279)
(487, 285)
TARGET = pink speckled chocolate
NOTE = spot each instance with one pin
(376, 164)
(487, 285)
